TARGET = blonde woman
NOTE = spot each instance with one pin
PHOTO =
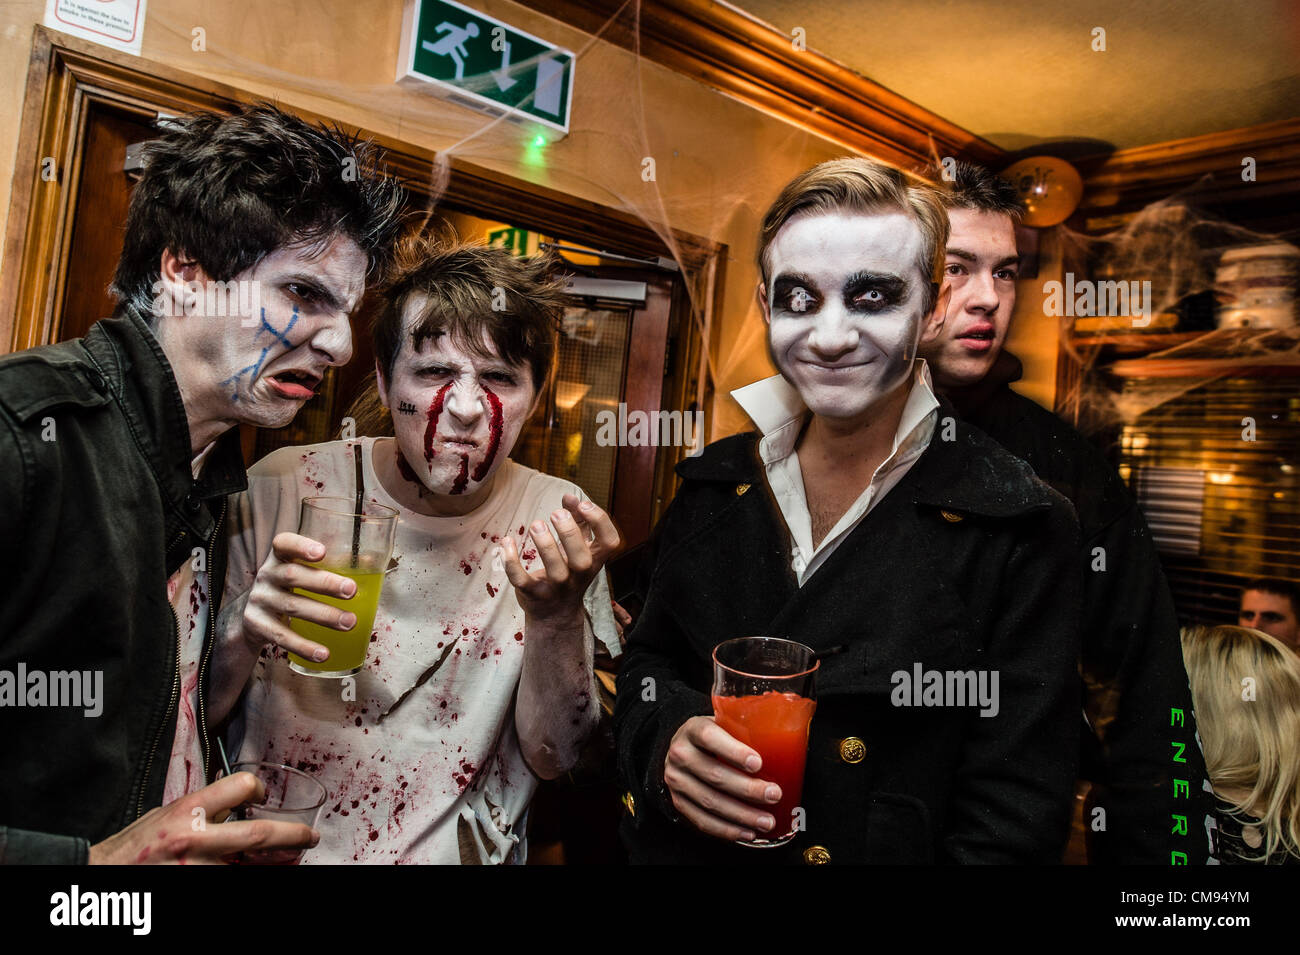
(1246, 690)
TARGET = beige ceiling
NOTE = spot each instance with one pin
(1019, 72)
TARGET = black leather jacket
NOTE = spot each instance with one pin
(98, 507)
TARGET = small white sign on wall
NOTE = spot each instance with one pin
(115, 23)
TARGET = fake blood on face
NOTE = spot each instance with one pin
(405, 469)
(458, 486)
(431, 430)
(494, 436)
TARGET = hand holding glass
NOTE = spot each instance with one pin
(291, 796)
(763, 695)
(357, 546)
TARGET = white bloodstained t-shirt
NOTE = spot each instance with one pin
(188, 593)
(420, 756)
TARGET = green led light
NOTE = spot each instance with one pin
(534, 152)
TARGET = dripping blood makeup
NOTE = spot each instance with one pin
(431, 431)
(458, 486)
(484, 466)
(494, 436)
(465, 411)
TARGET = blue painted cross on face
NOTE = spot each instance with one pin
(281, 337)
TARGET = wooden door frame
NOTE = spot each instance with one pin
(636, 467)
(67, 76)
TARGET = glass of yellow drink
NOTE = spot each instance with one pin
(357, 546)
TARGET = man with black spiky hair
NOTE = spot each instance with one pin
(1147, 805)
(248, 243)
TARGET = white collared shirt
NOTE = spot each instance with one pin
(776, 408)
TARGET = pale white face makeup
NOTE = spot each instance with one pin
(456, 415)
(844, 307)
(261, 369)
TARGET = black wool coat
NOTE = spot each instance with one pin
(968, 564)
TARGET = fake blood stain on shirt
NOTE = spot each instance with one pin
(465, 776)
(310, 470)
(467, 617)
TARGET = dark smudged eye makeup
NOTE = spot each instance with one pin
(795, 298)
(863, 292)
(873, 293)
(872, 299)
(304, 293)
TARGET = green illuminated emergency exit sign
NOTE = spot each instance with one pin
(484, 63)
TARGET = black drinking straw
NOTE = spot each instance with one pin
(356, 516)
(237, 812)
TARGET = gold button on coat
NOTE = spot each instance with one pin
(741, 489)
(852, 749)
(952, 517)
(629, 803)
(816, 855)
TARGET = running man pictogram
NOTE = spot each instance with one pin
(453, 44)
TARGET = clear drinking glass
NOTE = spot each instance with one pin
(291, 796)
(357, 546)
(764, 696)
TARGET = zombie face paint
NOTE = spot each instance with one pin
(261, 369)
(844, 308)
(470, 411)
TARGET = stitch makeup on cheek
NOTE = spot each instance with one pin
(494, 438)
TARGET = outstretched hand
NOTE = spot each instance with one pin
(587, 538)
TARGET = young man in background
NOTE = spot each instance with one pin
(1272, 605)
(1131, 657)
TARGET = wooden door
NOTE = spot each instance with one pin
(103, 194)
(612, 362)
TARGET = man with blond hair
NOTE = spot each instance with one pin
(908, 551)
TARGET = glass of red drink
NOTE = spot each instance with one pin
(763, 695)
